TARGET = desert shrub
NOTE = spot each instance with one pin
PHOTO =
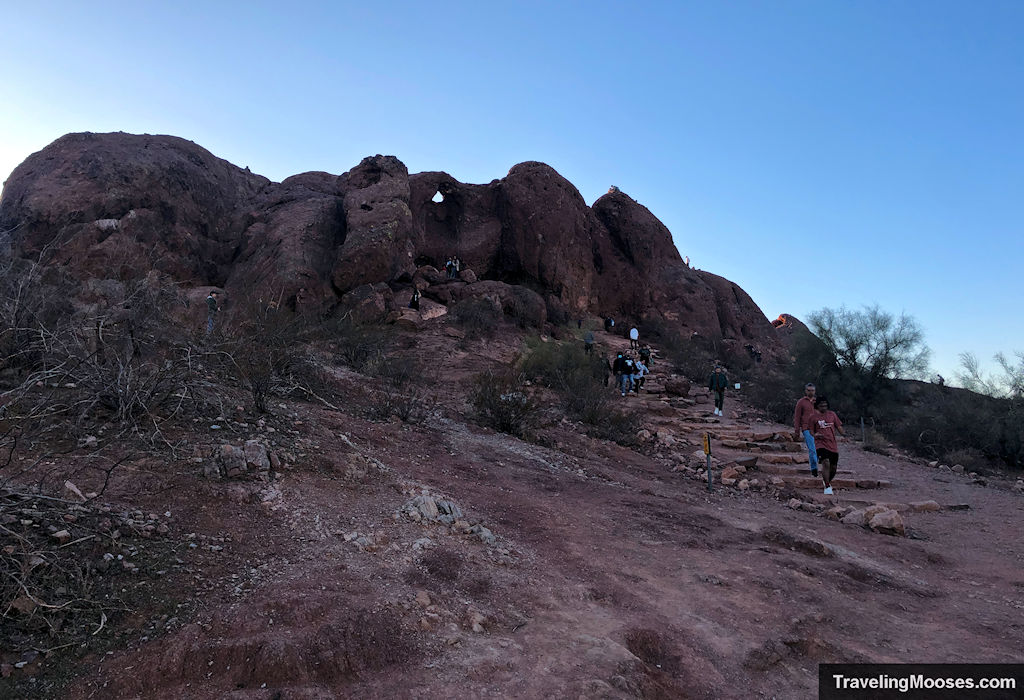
(554, 364)
(972, 459)
(617, 425)
(402, 389)
(478, 317)
(266, 347)
(363, 347)
(501, 401)
(579, 379)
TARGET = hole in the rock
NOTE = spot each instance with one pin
(438, 197)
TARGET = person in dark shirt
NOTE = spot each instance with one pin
(717, 383)
(211, 310)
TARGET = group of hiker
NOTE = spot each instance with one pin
(813, 420)
(452, 267)
(630, 372)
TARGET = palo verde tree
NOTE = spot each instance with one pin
(870, 347)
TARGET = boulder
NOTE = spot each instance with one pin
(256, 457)
(888, 522)
(368, 303)
(677, 387)
(924, 506)
(731, 473)
(855, 517)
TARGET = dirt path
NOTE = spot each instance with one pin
(611, 574)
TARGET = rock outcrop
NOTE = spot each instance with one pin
(118, 205)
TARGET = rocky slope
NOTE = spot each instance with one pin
(117, 205)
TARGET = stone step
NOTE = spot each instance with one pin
(813, 482)
(760, 447)
(783, 469)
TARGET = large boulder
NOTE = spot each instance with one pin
(115, 205)
(376, 244)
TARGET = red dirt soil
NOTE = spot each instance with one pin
(612, 575)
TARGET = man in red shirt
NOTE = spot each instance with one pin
(826, 423)
(802, 424)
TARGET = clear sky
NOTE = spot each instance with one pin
(818, 153)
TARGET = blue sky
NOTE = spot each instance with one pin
(816, 153)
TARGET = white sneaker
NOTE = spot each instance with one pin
(828, 490)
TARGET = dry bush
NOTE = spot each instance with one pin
(478, 316)
(116, 359)
(502, 402)
(363, 347)
(266, 347)
(402, 389)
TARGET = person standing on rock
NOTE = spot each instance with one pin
(803, 416)
(588, 342)
(825, 425)
(211, 310)
(717, 383)
(414, 303)
(634, 339)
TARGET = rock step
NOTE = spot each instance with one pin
(760, 447)
(783, 470)
(813, 482)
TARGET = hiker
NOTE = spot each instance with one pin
(449, 268)
(802, 416)
(634, 338)
(457, 265)
(414, 303)
(618, 367)
(628, 376)
(645, 355)
(211, 310)
(825, 424)
(717, 383)
(588, 342)
(640, 376)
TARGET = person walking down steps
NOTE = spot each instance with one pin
(803, 415)
(634, 338)
(825, 425)
(717, 383)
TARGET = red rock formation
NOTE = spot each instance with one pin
(120, 205)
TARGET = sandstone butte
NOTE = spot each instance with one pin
(121, 204)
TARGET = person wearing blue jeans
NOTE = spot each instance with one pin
(802, 417)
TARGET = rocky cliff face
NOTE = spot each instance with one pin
(116, 205)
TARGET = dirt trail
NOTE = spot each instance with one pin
(611, 576)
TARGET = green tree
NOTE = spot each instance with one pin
(1007, 385)
(870, 347)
